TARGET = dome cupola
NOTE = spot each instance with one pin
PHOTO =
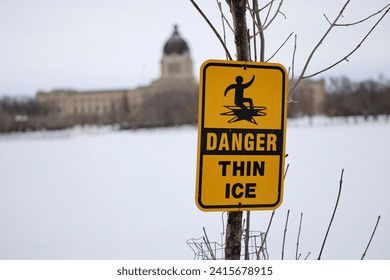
(176, 62)
(175, 44)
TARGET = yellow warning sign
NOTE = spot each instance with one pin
(242, 131)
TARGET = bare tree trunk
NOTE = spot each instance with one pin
(240, 29)
(234, 223)
(233, 236)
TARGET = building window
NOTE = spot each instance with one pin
(174, 68)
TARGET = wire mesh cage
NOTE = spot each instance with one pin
(205, 250)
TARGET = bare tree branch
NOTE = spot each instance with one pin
(260, 29)
(265, 237)
(299, 234)
(345, 58)
(293, 56)
(206, 240)
(273, 18)
(270, 4)
(349, 54)
(247, 233)
(255, 14)
(360, 21)
(285, 173)
(316, 48)
(334, 212)
(224, 19)
(213, 28)
(285, 232)
(223, 24)
(372, 235)
(252, 13)
(281, 46)
(266, 5)
(292, 68)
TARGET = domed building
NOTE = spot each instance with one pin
(175, 44)
(176, 61)
(170, 100)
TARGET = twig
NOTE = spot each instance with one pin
(223, 224)
(260, 29)
(213, 28)
(292, 69)
(281, 46)
(307, 256)
(293, 56)
(247, 232)
(285, 232)
(276, 13)
(223, 24)
(372, 235)
(285, 173)
(345, 58)
(270, 4)
(288, 75)
(334, 212)
(349, 54)
(206, 239)
(266, 5)
(359, 21)
(249, 44)
(254, 34)
(224, 19)
(265, 237)
(299, 234)
(223, 233)
(316, 48)
(323, 37)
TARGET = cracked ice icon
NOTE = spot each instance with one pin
(240, 111)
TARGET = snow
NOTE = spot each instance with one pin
(100, 193)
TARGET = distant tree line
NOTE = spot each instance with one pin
(16, 113)
(343, 97)
(366, 98)
(19, 106)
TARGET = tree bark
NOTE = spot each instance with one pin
(233, 236)
(240, 29)
(234, 223)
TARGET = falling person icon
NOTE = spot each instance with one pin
(239, 88)
(241, 110)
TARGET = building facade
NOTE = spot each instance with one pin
(309, 99)
(169, 100)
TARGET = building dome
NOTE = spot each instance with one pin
(175, 44)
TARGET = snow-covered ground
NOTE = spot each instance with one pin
(99, 193)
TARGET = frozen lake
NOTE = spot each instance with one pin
(97, 193)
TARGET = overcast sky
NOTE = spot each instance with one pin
(100, 44)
